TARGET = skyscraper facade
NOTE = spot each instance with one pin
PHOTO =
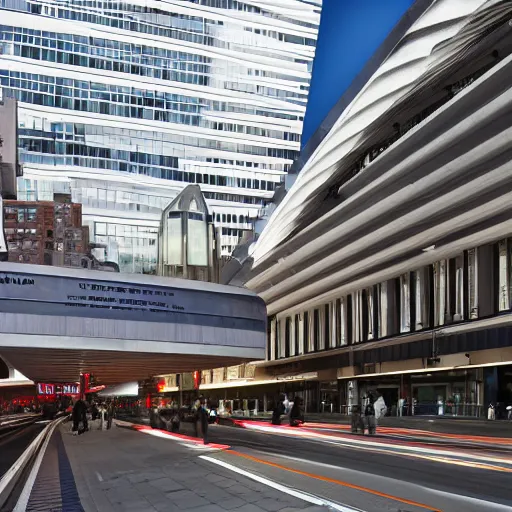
(121, 105)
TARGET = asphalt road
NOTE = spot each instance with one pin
(412, 465)
(14, 443)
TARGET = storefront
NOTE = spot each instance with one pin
(450, 392)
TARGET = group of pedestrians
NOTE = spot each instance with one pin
(104, 412)
(292, 409)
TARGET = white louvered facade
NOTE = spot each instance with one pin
(443, 35)
(121, 105)
(399, 225)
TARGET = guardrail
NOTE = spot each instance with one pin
(30, 458)
(11, 423)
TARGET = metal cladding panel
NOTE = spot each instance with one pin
(66, 306)
(197, 240)
(174, 242)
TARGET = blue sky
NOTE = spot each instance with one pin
(350, 32)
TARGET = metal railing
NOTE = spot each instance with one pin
(32, 457)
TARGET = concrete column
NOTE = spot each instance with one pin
(293, 335)
(486, 299)
(300, 333)
(273, 334)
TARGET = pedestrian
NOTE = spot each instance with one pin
(196, 414)
(79, 416)
(203, 421)
(278, 411)
(296, 416)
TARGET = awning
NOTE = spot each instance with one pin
(127, 389)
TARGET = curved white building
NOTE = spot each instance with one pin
(388, 264)
(122, 104)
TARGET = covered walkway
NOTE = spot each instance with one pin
(56, 323)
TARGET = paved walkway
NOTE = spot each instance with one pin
(125, 470)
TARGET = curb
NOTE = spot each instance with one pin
(145, 429)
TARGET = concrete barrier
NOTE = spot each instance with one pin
(32, 456)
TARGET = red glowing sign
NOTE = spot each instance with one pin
(197, 379)
(57, 389)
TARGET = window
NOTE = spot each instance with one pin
(326, 338)
(504, 276)
(315, 346)
(382, 321)
(299, 333)
(357, 316)
(472, 256)
(439, 292)
(405, 303)
(308, 338)
(341, 322)
(422, 298)
(288, 338)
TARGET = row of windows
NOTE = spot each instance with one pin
(234, 198)
(126, 230)
(151, 68)
(150, 21)
(94, 46)
(113, 137)
(108, 104)
(135, 105)
(124, 53)
(243, 6)
(83, 89)
(475, 284)
(146, 170)
(126, 161)
(231, 218)
(148, 69)
(58, 132)
(232, 232)
(41, 190)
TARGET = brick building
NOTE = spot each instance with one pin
(45, 233)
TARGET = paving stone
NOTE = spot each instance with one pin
(194, 501)
(226, 483)
(167, 507)
(249, 507)
(125, 471)
(166, 485)
(221, 496)
(212, 477)
(207, 508)
(272, 505)
(231, 503)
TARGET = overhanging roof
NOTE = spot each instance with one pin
(56, 323)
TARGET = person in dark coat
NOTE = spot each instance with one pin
(79, 415)
(296, 416)
(203, 420)
(278, 411)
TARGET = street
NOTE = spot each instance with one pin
(439, 473)
(12, 444)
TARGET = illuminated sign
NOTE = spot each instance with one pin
(57, 389)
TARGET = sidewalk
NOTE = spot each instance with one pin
(438, 424)
(123, 470)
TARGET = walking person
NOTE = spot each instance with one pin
(203, 420)
(79, 416)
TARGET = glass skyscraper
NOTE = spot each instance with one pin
(121, 105)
